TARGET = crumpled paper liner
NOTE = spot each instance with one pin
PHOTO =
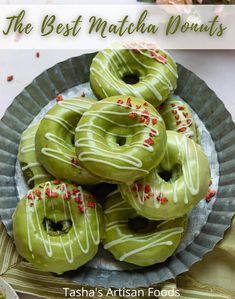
(211, 111)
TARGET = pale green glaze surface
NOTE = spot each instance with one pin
(55, 141)
(139, 248)
(178, 117)
(62, 251)
(188, 184)
(112, 145)
(157, 81)
(33, 171)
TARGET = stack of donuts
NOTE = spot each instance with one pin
(137, 139)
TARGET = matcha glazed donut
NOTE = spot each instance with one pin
(120, 139)
(33, 171)
(178, 117)
(136, 240)
(57, 227)
(55, 141)
(148, 74)
(186, 170)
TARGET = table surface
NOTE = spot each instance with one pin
(217, 68)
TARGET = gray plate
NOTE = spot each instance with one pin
(210, 110)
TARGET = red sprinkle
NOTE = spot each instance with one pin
(59, 98)
(174, 112)
(31, 204)
(137, 106)
(162, 199)
(82, 209)
(208, 198)
(38, 193)
(83, 94)
(172, 105)
(75, 191)
(48, 192)
(189, 121)
(142, 119)
(54, 194)
(10, 78)
(178, 122)
(120, 102)
(160, 107)
(146, 122)
(30, 196)
(74, 162)
(212, 192)
(181, 130)
(185, 114)
(133, 115)
(149, 141)
(177, 117)
(136, 51)
(154, 121)
(160, 58)
(91, 204)
(181, 107)
(128, 102)
(67, 195)
(153, 133)
(147, 188)
(78, 200)
(145, 104)
(56, 182)
(137, 187)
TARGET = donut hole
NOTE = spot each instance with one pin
(73, 140)
(142, 225)
(131, 79)
(171, 175)
(58, 228)
(121, 140)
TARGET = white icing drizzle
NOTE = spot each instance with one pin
(68, 214)
(62, 122)
(98, 154)
(160, 242)
(27, 155)
(116, 58)
(77, 108)
(191, 177)
(186, 122)
(158, 238)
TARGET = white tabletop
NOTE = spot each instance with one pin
(217, 68)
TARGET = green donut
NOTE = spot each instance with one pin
(120, 139)
(33, 171)
(55, 141)
(140, 242)
(178, 117)
(148, 74)
(186, 170)
(2, 296)
(57, 227)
